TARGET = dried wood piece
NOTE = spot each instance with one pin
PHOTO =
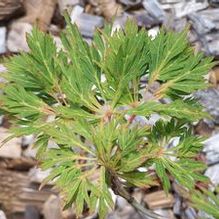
(23, 163)
(10, 8)
(40, 12)
(110, 8)
(17, 192)
(204, 129)
(214, 76)
(159, 199)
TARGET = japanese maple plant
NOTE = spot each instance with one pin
(95, 102)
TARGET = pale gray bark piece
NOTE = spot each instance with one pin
(201, 24)
(52, 208)
(130, 3)
(212, 173)
(169, 1)
(211, 149)
(214, 3)
(2, 40)
(88, 23)
(76, 12)
(154, 8)
(11, 149)
(31, 212)
(204, 215)
(190, 213)
(16, 41)
(185, 8)
(213, 48)
(37, 175)
(144, 19)
(210, 100)
(2, 215)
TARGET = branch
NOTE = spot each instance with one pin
(118, 189)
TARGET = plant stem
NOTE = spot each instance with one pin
(118, 189)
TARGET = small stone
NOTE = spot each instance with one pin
(17, 37)
(2, 40)
(11, 149)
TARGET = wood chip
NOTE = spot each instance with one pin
(159, 199)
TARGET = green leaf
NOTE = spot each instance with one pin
(177, 109)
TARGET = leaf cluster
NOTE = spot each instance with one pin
(88, 101)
